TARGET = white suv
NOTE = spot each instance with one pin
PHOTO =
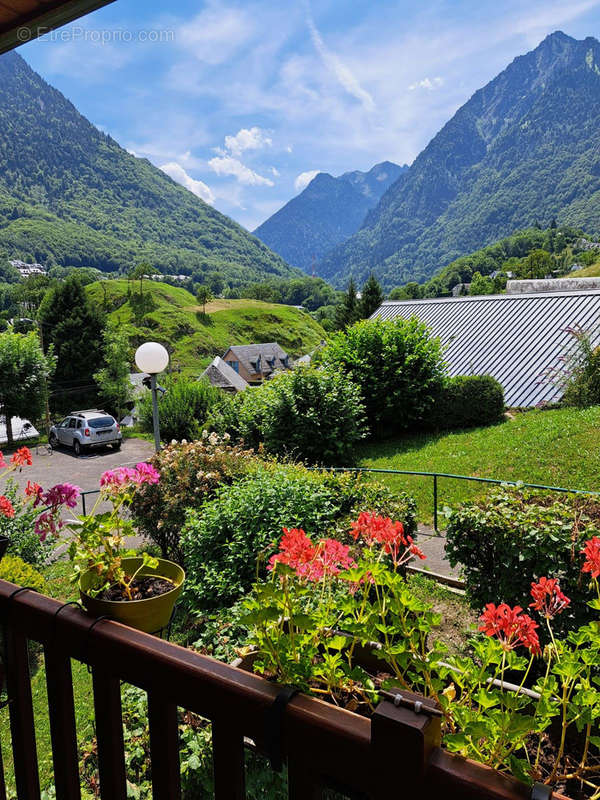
(83, 430)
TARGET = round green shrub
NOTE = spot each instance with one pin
(222, 541)
(514, 537)
(467, 401)
(15, 570)
(398, 366)
(311, 415)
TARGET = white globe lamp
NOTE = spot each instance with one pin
(152, 357)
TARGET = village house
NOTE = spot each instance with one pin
(257, 362)
(221, 375)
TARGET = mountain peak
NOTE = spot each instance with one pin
(325, 213)
(558, 36)
(523, 147)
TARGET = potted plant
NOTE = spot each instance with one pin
(139, 591)
(340, 622)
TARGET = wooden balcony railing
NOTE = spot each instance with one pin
(395, 754)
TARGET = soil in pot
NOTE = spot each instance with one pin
(141, 589)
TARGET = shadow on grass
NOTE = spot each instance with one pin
(377, 448)
(204, 319)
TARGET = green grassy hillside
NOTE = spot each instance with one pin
(174, 318)
(592, 271)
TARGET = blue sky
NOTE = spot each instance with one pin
(243, 101)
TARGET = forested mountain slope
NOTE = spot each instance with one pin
(70, 195)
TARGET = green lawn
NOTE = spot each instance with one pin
(556, 448)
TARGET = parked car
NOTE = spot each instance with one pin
(83, 430)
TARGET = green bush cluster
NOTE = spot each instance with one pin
(467, 401)
(227, 542)
(516, 536)
(15, 570)
(183, 408)
(398, 367)
(189, 475)
(311, 415)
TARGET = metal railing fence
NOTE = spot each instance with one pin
(435, 476)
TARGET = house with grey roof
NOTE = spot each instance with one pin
(517, 339)
(221, 375)
(257, 362)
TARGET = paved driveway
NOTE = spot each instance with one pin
(63, 467)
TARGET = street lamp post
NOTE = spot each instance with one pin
(153, 358)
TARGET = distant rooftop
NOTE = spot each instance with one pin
(515, 338)
(260, 358)
(220, 374)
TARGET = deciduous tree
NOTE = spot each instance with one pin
(113, 379)
(24, 374)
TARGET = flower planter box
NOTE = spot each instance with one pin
(151, 615)
(441, 774)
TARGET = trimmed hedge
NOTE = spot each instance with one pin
(467, 401)
(514, 537)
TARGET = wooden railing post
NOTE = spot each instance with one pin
(401, 744)
(228, 761)
(63, 730)
(109, 735)
(22, 725)
(164, 749)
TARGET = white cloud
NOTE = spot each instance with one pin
(199, 188)
(227, 165)
(427, 83)
(304, 179)
(248, 139)
(342, 73)
(275, 172)
(214, 35)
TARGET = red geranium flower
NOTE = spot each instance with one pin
(22, 457)
(6, 507)
(311, 562)
(510, 626)
(591, 551)
(295, 549)
(33, 489)
(3, 463)
(548, 598)
(375, 528)
(334, 556)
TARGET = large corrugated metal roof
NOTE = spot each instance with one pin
(515, 338)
